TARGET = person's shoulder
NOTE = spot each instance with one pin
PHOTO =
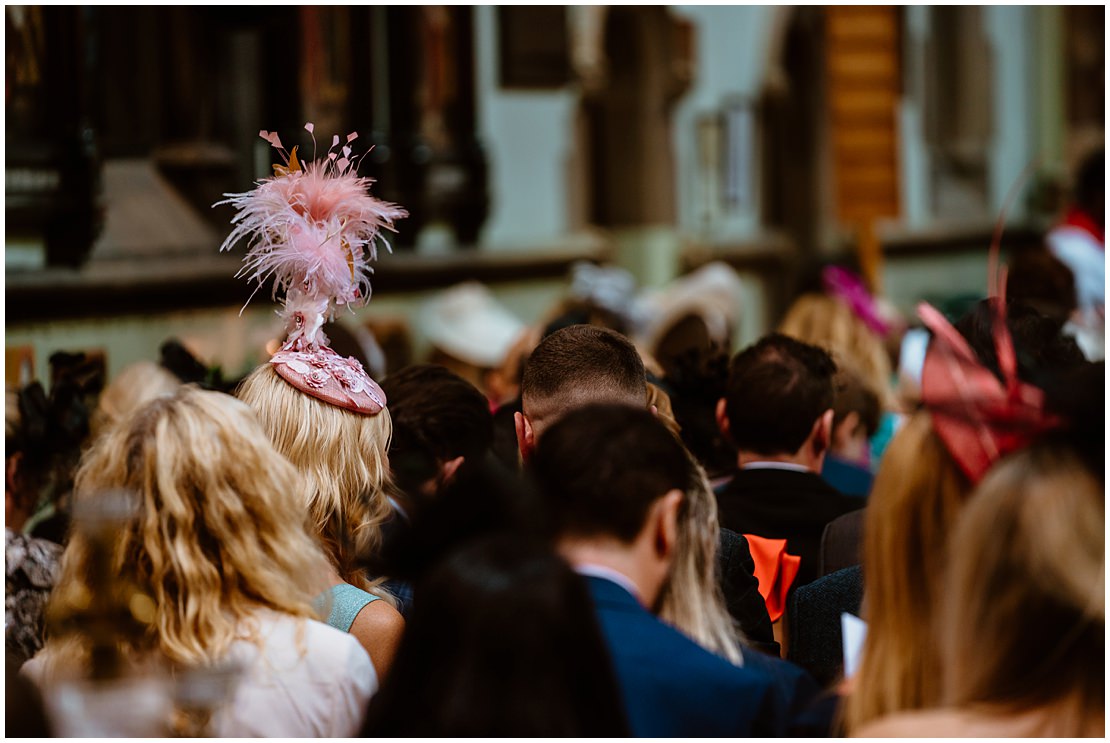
(305, 637)
(378, 619)
(918, 724)
(687, 660)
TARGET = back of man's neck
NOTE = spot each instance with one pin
(612, 557)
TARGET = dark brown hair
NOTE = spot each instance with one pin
(777, 388)
(601, 467)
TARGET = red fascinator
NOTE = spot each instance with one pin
(313, 228)
(979, 418)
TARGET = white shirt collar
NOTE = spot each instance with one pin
(600, 571)
(776, 466)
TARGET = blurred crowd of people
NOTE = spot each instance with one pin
(607, 524)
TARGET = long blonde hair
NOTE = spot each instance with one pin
(691, 599)
(1023, 619)
(824, 321)
(343, 459)
(917, 496)
(219, 531)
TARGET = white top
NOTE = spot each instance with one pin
(1081, 251)
(301, 678)
(306, 680)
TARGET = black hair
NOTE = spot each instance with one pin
(582, 357)
(1090, 183)
(696, 381)
(601, 467)
(49, 435)
(1041, 349)
(437, 416)
(1038, 279)
(503, 641)
(483, 498)
(777, 389)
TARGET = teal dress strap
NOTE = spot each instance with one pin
(346, 602)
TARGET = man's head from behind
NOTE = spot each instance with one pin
(612, 478)
(576, 366)
(439, 421)
(778, 401)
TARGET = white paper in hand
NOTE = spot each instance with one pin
(853, 631)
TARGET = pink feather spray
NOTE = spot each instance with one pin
(313, 228)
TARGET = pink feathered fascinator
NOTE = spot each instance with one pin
(313, 228)
(842, 284)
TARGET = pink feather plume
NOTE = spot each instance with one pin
(313, 230)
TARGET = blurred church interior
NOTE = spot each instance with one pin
(522, 139)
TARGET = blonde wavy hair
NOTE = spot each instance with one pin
(343, 459)
(1024, 615)
(824, 321)
(136, 385)
(691, 599)
(918, 494)
(219, 533)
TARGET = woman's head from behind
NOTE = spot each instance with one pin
(824, 321)
(918, 494)
(1023, 622)
(502, 642)
(342, 457)
(132, 388)
(219, 530)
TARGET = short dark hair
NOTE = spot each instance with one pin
(777, 389)
(600, 468)
(583, 360)
(437, 416)
(853, 395)
(1037, 278)
(1040, 348)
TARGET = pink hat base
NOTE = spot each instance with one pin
(327, 376)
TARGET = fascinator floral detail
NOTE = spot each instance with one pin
(313, 228)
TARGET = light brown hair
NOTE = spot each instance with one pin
(917, 496)
(691, 599)
(1023, 618)
(136, 385)
(824, 321)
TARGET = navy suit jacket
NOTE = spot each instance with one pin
(673, 687)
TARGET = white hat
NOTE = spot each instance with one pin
(712, 292)
(467, 322)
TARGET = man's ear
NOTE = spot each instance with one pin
(448, 469)
(822, 433)
(722, 419)
(525, 438)
(665, 515)
(843, 434)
